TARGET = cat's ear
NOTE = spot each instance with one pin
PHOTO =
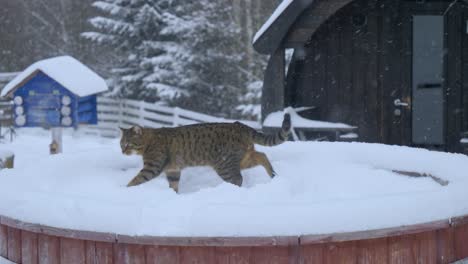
(122, 129)
(137, 130)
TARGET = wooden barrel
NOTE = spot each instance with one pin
(442, 241)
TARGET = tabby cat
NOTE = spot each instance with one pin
(226, 147)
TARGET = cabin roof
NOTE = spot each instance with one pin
(67, 71)
(279, 26)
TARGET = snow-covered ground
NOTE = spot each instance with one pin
(5, 261)
(320, 188)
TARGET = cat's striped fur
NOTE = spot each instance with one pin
(226, 147)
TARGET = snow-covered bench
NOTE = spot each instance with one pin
(307, 129)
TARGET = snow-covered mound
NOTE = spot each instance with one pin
(320, 188)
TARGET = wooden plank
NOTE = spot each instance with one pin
(400, 249)
(128, 103)
(90, 252)
(14, 244)
(460, 242)
(108, 116)
(127, 253)
(209, 241)
(271, 255)
(3, 241)
(405, 64)
(157, 107)
(191, 115)
(373, 105)
(61, 232)
(389, 70)
(372, 251)
(233, 255)
(132, 120)
(332, 82)
(72, 251)
(162, 254)
(454, 96)
(104, 253)
(465, 75)
(49, 249)
(371, 234)
(426, 245)
(445, 246)
(344, 253)
(29, 248)
(346, 66)
(312, 253)
(197, 255)
(102, 99)
(273, 87)
(132, 112)
(159, 117)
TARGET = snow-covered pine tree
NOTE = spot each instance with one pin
(140, 31)
(250, 101)
(214, 79)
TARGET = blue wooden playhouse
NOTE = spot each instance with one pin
(56, 92)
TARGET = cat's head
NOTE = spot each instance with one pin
(132, 140)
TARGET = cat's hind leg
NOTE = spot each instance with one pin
(229, 170)
(256, 158)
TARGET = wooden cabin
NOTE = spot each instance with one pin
(396, 69)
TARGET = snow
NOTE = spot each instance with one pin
(464, 140)
(278, 11)
(349, 136)
(321, 187)
(275, 119)
(5, 153)
(67, 71)
(5, 261)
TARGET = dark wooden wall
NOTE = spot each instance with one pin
(354, 73)
(464, 51)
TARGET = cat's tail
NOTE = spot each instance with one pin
(275, 139)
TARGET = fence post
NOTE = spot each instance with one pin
(141, 110)
(175, 121)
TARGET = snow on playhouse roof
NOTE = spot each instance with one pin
(67, 71)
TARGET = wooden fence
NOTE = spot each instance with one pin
(113, 113)
(6, 119)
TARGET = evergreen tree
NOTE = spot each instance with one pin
(189, 53)
(212, 69)
(141, 31)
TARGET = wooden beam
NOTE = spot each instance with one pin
(273, 85)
